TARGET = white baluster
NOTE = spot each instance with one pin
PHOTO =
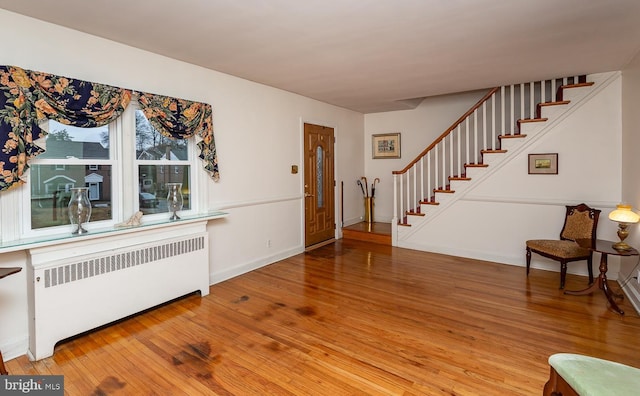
(459, 157)
(467, 141)
(394, 221)
(402, 198)
(521, 102)
(409, 190)
(493, 121)
(451, 170)
(422, 178)
(475, 136)
(532, 100)
(503, 116)
(484, 126)
(513, 111)
(415, 186)
(436, 168)
(429, 175)
(444, 163)
(553, 90)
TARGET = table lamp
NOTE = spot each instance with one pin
(624, 216)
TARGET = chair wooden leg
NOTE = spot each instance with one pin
(563, 273)
(590, 268)
(528, 260)
(3, 370)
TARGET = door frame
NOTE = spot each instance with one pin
(336, 175)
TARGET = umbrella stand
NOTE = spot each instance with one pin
(368, 210)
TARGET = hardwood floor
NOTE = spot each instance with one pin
(351, 318)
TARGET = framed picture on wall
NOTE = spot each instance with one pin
(543, 164)
(386, 145)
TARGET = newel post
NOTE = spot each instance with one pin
(394, 220)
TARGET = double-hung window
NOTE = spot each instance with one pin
(160, 160)
(126, 166)
(74, 157)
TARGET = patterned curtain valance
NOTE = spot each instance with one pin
(181, 119)
(28, 97)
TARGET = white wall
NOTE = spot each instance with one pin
(258, 132)
(418, 128)
(631, 168)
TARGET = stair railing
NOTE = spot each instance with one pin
(494, 117)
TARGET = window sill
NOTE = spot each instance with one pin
(30, 243)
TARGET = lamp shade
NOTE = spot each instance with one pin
(624, 214)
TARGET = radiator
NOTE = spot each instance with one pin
(79, 286)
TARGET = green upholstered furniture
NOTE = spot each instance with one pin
(572, 374)
(580, 222)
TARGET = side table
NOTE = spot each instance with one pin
(605, 248)
(3, 273)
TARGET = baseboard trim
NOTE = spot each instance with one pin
(221, 276)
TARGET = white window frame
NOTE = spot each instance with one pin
(16, 203)
(195, 173)
(61, 164)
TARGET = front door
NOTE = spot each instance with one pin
(94, 191)
(319, 185)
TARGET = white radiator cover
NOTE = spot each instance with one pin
(83, 284)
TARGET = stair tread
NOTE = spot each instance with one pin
(517, 135)
(559, 94)
(414, 214)
(476, 165)
(561, 102)
(577, 85)
(459, 178)
(525, 120)
(497, 151)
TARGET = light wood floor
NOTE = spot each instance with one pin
(351, 318)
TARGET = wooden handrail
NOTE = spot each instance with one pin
(448, 131)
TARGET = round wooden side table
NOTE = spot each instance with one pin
(605, 248)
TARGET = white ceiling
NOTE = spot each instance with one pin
(367, 55)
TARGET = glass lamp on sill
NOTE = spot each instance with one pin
(623, 215)
(79, 209)
(174, 199)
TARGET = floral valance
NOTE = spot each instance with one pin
(28, 97)
(181, 119)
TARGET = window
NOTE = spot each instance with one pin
(97, 158)
(70, 160)
(156, 156)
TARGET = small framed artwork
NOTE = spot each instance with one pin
(386, 145)
(543, 164)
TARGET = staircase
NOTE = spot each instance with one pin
(489, 133)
